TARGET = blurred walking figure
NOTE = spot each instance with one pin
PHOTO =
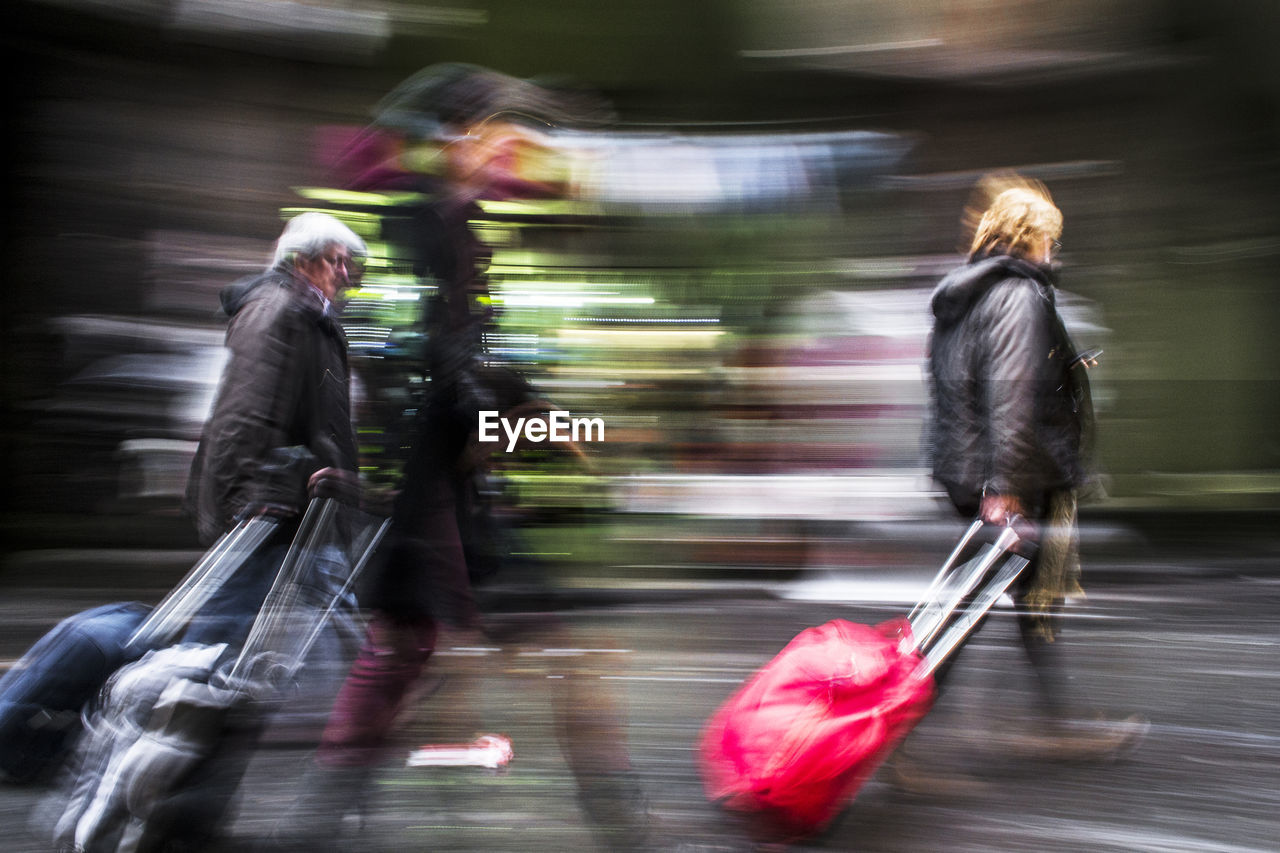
(455, 134)
(282, 417)
(166, 743)
(1013, 420)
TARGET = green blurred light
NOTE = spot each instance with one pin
(352, 197)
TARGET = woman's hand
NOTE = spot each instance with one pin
(999, 509)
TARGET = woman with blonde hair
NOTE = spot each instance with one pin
(1012, 417)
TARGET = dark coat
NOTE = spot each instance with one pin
(443, 535)
(1010, 413)
(283, 408)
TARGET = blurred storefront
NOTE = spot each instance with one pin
(738, 286)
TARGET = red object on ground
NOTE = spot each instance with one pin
(492, 751)
(795, 743)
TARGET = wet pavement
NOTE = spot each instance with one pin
(1185, 637)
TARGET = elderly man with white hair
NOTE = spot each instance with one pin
(282, 415)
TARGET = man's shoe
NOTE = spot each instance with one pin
(618, 813)
(314, 822)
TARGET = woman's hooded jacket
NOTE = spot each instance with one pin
(1011, 412)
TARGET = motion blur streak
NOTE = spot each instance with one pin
(733, 275)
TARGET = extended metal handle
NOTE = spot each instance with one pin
(205, 578)
(284, 589)
(965, 624)
(272, 643)
(939, 580)
(953, 585)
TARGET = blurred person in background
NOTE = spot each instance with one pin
(1012, 423)
(281, 420)
(478, 130)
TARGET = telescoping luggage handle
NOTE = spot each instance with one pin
(282, 601)
(959, 597)
(205, 578)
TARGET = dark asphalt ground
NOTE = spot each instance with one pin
(1186, 636)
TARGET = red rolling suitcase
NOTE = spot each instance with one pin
(793, 746)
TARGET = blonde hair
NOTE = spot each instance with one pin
(1012, 216)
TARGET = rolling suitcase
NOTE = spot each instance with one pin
(43, 694)
(163, 752)
(793, 746)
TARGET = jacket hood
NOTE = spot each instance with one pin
(235, 295)
(238, 294)
(964, 286)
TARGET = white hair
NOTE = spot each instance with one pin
(309, 234)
